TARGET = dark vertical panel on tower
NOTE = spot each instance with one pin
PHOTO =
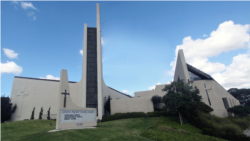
(91, 96)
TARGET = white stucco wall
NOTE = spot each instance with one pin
(150, 93)
(181, 71)
(42, 93)
(216, 92)
(112, 93)
(142, 104)
(38, 93)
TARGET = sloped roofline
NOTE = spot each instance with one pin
(199, 73)
(41, 79)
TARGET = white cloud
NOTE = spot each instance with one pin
(31, 14)
(169, 82)
(237, 74)
(227, 37)
(27, 5)
(204, 35)
(81, 52)
(131, 93)
(153, 87)
(125, 91)
(10, 53)
(11, 67)
(14, 2)
(50, 77)
(102, 41)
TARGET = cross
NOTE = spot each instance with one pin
(65, 93)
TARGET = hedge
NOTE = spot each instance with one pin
(134, 115)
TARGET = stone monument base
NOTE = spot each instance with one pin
(56, 130)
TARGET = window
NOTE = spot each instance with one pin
(231, 102)
(193, 76)
(225, 103)
(208, 98)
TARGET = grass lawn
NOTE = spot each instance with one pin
(36, 130)
(133, 129)
(169, 129)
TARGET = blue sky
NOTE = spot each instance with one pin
(140, 40)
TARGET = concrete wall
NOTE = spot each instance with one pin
(149, 93)
(112, 93)
(181, 71)
(30, 93)
(142, 104)
(215, 92)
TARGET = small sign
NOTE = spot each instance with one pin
(69, 116)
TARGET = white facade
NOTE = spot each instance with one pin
(211, 91)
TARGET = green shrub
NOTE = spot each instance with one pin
(41, 113)
(32, 114)
(104, 118)
(125, 115)
(240, 111)
(220, 127)
(48, 115)
(156, 99)
(137, 115)
(157, 114)
(244, 123)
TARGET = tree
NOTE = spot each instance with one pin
(243, 95)
(156, 100)
(107, 104)
(41, 113)
(32, 114)
(48, 116)
(185, 99)
(6, 108)
(239, 111)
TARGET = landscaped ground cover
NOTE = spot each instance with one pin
(133, 129)
(36, 130)
(169, 129)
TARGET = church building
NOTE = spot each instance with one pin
(92, 92)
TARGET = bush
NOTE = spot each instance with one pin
(156, 99)
(240, 111)
(104, 118)
(244, 123)
(41, 113)
(220, 127)
(157, 114)
(126, 115)
(137, 115)
(6, 108)
(32, 114)
(123, 116)
(48, 115)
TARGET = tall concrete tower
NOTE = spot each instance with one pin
(92, 66)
